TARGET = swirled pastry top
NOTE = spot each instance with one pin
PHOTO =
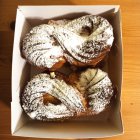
(97, 89)
(70, 102)
(40, 47)
(82, 40)
(85, 38)
(88, 95)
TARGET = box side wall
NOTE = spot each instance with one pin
(68, 130)
(52, 11)
(20, 72)
(42, 14)
(115, 70)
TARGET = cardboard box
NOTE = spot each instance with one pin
(106, 124)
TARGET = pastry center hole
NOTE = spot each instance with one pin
(85, 31)
(47, 98)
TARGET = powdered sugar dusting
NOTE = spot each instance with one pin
(97, 88)
(40, 47)
(32, 98)
(82, 39)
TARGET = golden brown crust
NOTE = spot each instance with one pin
(59, 64)
(94, 62)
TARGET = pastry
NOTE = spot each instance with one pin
(96, 88)
(85, 40)
(81, 42)
(47, 97)
(51, 97)
(41, 49)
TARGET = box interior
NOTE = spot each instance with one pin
(106, 124)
